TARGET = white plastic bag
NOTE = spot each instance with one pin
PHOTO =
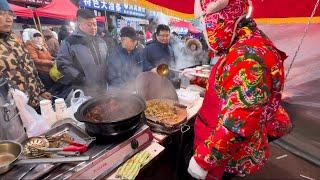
(75, 102)
(32, 121)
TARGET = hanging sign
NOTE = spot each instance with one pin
(127, 9)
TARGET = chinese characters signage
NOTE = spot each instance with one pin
(114, 7)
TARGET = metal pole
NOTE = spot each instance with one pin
(106, 21)
(302, 39)
(40, 28)
(35, 23)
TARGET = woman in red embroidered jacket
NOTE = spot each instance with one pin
(242, 105)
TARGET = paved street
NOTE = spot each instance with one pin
(287, 166)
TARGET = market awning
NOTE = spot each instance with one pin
(61, 9)
(273, 11)
(183, 9)
(177, 8)
(193, 29)
(21, 11)
(184, 24)
(178, 23)
(261, 8)
(58, 9)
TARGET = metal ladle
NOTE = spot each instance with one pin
(163, 70)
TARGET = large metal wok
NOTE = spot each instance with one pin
(119, 116)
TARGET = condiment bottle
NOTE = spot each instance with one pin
(47, 112)
(61, 109)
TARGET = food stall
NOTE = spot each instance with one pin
(83, 149)
(98, 154)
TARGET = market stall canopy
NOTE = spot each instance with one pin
(273, 11)
(275, 8)
(177, 8)
(183, 9)
(184, 24)
(261, 8)
(178, 23)
(193, 29)
(21, 11)
(60, 9)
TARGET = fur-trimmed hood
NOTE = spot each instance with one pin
(199, 56)
(196, 42)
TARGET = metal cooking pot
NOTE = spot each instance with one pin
(125, 114)
(9, 153)
(11, 127)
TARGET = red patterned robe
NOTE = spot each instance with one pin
(242, 107)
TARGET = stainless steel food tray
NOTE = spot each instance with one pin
(24, 172)
(78, 134)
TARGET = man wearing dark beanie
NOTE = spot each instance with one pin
(16, 65)
(82, 56)
(125, 62)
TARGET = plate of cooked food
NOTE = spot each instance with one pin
(165, 115)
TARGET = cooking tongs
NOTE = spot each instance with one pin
(74, 147)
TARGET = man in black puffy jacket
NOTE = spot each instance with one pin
(82, 56)
(159, 50)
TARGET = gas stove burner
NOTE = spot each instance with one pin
(105, 157)
(103, 140)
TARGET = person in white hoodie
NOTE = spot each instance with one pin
(28, 33)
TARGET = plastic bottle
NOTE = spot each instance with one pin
(47, 112)
(61, 109)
